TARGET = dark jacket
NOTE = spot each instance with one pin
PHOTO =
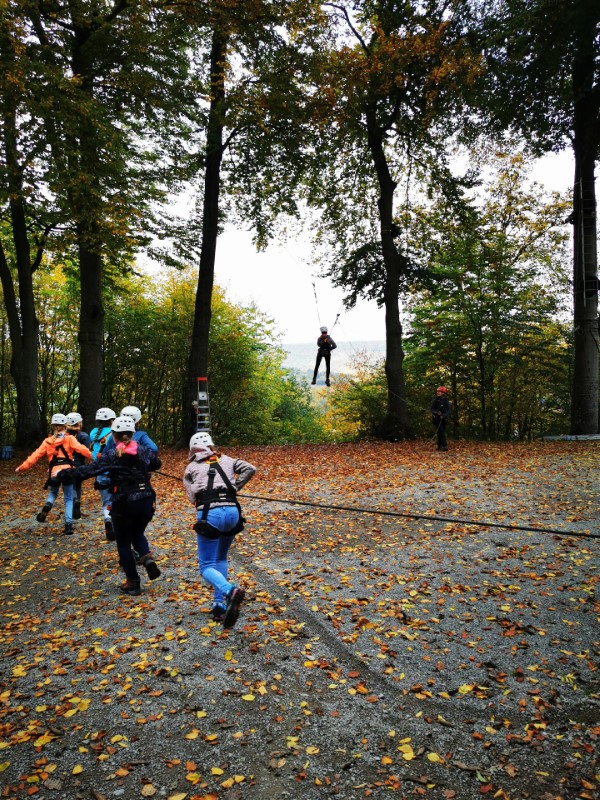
(129, 473)
(84, 439)
(440, 409)
(325, 344)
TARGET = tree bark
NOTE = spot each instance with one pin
(586, 142)
(84, 199)
(199, 352)
(91, 331)
(22, 319)
(396, 424)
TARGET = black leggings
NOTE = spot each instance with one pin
(130, 518)
(327, 357)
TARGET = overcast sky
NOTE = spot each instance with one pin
(280, 280)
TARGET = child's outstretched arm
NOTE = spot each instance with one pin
(33, 458)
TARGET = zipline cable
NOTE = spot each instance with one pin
(429, 517)
(317, 303)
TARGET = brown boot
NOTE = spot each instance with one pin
(151, 566)
(130, 587)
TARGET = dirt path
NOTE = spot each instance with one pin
(374, 654)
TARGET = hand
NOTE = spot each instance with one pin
(67, 476)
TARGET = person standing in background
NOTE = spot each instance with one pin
(440, 414)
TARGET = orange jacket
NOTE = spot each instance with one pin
(53, 448)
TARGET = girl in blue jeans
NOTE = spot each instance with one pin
(211, 481)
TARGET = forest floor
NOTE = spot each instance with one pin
(375, 654)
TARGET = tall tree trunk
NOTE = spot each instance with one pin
(22, 320)
(396, 424)
(198, 359)
(91, 331)
(23, 327)
(584, 409)
(85, 198)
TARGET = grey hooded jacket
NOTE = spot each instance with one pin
(195, 477)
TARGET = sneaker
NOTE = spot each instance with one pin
(109, 530)
(130, 587)
(150, 566)
(232, 610)
(68, 528)
(217, 613)
(76, 509)
(41, 517)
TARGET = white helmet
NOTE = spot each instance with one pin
(58, 419)
(74, 418)
(104, 414)
(201, 439)
(123, 425)
(132, 411)
(323, 329)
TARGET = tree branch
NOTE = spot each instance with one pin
(344, 12)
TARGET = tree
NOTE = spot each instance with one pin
(25, 224)
(387, 96)
(240, 36)
(252, 397)
(491, 325)
(544, 80)
(107, 82)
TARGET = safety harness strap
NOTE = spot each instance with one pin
(57, 460)
(209, 496)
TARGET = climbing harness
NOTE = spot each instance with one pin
(99, 437)
(57, 461)
(130, 480)
(210, 495)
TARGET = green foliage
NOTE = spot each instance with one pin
(358, 404)
(493, 328)
(492, 323)
(253, 399)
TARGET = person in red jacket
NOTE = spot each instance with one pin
(58, 448)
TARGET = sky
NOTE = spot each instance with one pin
(279, 281)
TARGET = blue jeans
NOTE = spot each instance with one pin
(68, 494)
(212, 553)
(106, 497)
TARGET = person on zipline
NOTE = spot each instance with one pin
(440, 414)
(325, 344)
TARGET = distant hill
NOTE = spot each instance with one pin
(301, 357)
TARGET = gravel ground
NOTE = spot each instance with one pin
(375, 654)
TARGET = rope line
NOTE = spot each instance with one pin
(429, 517)
(435, 518)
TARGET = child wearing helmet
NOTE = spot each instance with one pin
(59, 448)
(99, 436)
(211, 481)
(128, 465)
(139, 435)
(74, 423)
(325, 345)
(440, 414)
